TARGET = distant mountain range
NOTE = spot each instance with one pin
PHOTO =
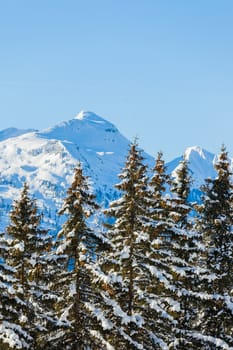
(46, 159)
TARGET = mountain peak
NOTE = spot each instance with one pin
(196, 154)
(89, 116)
(46, 160)
(88, 130)
(200, 163)
(13, 132)
(190, 151)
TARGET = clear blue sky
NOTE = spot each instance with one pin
(158, 69)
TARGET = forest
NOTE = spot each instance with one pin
(155, 272)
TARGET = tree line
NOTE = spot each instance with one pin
(157, 274)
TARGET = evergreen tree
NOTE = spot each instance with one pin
(27, 244)
(180, 188)
(127, 266)
(12, 334)
(172, 245)
(215, 224)
(75, 254)
(184, 241)
(159, 208)
(183, 251)
(173, 255)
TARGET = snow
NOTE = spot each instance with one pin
(154, 305)
(229, 303)
(73, 290)
(19, 246)
(194, 150)
(10, 334)
(13, 132)
(64, 317)
(214, 341)
(23, 319)
(125, 253)
(200, 163)
(125, 318)
(98, 336)
(90, 116)
(46, 160)
(135, 344)
(62, 247)
(80, 115)
(159, 341)
(106, 324)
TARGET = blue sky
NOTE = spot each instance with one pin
(158, 69)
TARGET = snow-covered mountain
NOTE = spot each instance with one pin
(13, 132)
(201, 165)
(46, 159)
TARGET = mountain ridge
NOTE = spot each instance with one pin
(46, 160)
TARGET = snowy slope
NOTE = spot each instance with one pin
(46, 160)
(13, 132)
(201, 164)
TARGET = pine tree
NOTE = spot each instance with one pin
(127, 266)
(12, 334)
(215, 224)
(75, 254)
(174, 251)
(25, 257)
(159, 208)
(180, 187)
(183, 251)
(162, 237)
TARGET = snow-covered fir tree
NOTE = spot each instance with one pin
(156, 282)
(158, 184)
(75, 254)
(163, 305)
(174, 251)
(131, 305)
(215, 224)
(182, 252)
(27, 243)
(12, 334)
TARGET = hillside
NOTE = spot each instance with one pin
(46, 159)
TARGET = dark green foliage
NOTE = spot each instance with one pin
(27, 245)
(151, 281)
(12, 334)
(183, 250)
(215, 224)
(138, 319)
(75, 254)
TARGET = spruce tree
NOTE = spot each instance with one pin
(184, 249)
(27, 245)
(12, 334)
(215, 225)
(174, 252)
(161, 227)
(158, 202)
(127, 266)
(75, 254)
